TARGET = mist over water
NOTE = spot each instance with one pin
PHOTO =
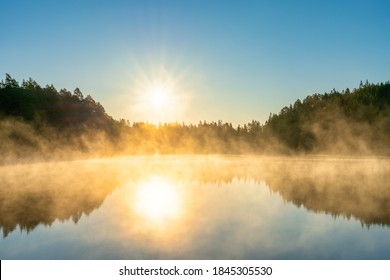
(197, 207)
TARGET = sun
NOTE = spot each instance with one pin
(160, 97)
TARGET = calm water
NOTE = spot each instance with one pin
(196, 207)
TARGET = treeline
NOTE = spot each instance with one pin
(38, 121)
(353, 122)
(43, 120)
(204, 137)
(356, 121)
(60, 109)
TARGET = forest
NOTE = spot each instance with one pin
(42, 122)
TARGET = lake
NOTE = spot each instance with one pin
(197, 207)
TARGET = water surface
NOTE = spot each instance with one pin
(197, 207)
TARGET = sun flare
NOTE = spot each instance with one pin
(159, 96)
(157, 200)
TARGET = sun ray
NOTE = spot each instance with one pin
(158, 96)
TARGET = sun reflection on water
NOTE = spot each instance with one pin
(157, 200)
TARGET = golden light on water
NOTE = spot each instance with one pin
(157, 200)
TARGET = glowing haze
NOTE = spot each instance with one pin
(187, 61)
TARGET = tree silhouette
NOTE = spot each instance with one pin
(350, 121)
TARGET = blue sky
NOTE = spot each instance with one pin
(229, 60)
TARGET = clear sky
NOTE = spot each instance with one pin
(214, 60)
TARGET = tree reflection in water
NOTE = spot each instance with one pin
(42, 193)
